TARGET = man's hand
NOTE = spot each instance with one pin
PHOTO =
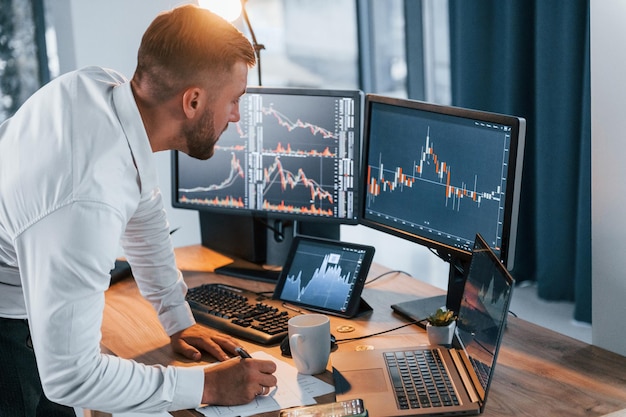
(238, 381)
(190, 341)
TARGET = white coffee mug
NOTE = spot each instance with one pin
(309, 341)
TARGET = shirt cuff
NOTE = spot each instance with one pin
(177, 319)
(189, 388)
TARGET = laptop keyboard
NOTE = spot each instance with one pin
(239, 312)
(482, 371)
(420, 379)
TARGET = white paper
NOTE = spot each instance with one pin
(293, 389)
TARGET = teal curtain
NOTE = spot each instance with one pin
(530, 58)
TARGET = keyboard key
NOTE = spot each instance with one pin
(420, 379)
(238, 312)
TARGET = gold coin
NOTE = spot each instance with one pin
(364, 347)
(345, 329)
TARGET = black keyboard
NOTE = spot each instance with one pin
(420, 379)
(239, 313)
(482, 370)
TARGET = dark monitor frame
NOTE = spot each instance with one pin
(457, 254)
(259, 238)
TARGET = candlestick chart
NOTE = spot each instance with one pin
(438, 177)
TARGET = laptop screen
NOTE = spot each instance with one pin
(485, 305)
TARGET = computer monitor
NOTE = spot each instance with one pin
(289, 166)
(438, 175)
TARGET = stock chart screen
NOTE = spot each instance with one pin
(294, 152)
(437, 175)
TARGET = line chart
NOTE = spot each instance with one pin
(298, 124)
(292, 154)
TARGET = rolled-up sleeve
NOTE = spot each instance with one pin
(148, 247)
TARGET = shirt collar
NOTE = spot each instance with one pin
(132, 124)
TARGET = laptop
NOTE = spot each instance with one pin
(374, 375)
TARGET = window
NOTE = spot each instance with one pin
(355, 44)
(335, 44)
(383, 47)
(307, 43)
(23, 56)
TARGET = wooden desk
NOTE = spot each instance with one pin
(539, 372)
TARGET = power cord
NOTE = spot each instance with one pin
(395, 271)
(379, 333)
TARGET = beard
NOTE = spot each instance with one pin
(201, 137)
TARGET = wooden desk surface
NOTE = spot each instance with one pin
(539, 372)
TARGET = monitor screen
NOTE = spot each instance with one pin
(294, 154)
(325, 275)
(438, 175)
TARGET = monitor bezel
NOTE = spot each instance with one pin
(357, 96)
(452, 254)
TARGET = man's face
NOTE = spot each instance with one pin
(203, 133)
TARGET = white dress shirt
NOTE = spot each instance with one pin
(77, 177)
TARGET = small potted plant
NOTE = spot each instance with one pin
(440, 327)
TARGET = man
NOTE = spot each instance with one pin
(77, 177)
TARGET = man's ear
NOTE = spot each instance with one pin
(191, 101)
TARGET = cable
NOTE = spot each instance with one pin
(379, 333)
(257, 46)
(386, 273)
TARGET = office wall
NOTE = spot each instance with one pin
(108, 34)
(608, 124)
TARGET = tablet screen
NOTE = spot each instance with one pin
(325, 275)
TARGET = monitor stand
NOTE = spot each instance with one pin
(240, 268)
(419, 309)
(258, 246)
(272, 241)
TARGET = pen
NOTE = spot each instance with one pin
(242, 352)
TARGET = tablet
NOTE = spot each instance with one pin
(325, 275)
